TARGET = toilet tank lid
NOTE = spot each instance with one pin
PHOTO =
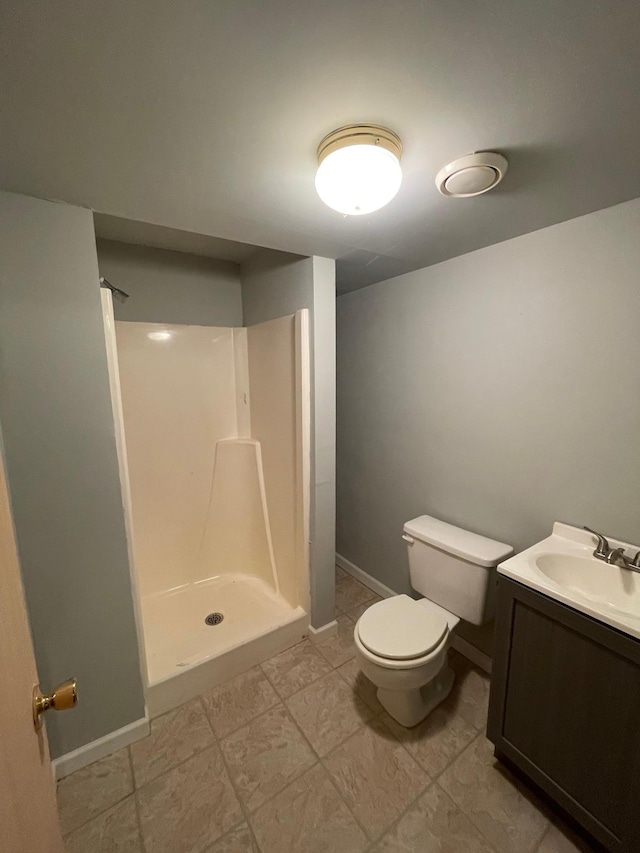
(454, 540)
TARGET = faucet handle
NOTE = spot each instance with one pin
(602, 548)
(636, 561)
(616, 557)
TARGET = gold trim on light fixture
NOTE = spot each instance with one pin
(360, 134)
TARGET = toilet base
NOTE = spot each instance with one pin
(410, 707)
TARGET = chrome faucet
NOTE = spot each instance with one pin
(613, 556)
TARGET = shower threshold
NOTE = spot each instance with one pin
(187, 655)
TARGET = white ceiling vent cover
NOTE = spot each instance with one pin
(472, 175)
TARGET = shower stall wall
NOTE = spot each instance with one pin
(215, 449)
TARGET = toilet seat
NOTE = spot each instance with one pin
(399, 630)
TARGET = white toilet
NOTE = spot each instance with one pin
(402, 643)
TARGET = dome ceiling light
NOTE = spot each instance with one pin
(359, 168)
(472, 175)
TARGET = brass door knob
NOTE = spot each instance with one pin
(65, 696)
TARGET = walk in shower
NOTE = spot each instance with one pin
(213, 432)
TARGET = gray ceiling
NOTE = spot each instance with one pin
(205, 116)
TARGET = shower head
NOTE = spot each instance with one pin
(118, 294)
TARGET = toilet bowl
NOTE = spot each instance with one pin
(401, 646)
(401, 643)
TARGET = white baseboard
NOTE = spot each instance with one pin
(97, 749)
(364, 578)
(316, 635)
(469, 651)
(462, 646)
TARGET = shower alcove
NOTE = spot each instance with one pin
(212, 425)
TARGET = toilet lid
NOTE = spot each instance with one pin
(400, 629)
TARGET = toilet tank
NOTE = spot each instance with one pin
(454, 567)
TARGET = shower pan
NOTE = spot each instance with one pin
(212, 427)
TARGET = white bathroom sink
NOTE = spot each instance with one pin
(563, 567)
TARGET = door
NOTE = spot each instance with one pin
(28, 813)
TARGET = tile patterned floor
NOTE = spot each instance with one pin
(298, 756)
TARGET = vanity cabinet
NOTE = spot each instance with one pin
(565, 710)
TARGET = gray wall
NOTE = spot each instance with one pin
(171, 287)
(275, 284)
(499, 391)
(57, 423)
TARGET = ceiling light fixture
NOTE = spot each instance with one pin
(472, 174)
(359, 168)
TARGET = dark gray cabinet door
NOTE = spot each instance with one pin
(565, 709)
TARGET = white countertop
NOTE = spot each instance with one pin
(608, 593)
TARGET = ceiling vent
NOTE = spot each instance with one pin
(471, 175)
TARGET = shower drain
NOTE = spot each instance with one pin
(214, 618)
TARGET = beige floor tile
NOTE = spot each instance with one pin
(350, 593)
(434, 824)
(236, 703)
(340, 648)
(264, 756)
(308, 817)
(239, 840)
(470, 694)
(340, 573)
(361, 685)
(436, 741)
(356, 612)
(174, 737)
(328, 712)
(497, 805)
(189, 807)
(114, 831)
(87, 792)
(560, 839)
(376, 776)
(295, 668)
